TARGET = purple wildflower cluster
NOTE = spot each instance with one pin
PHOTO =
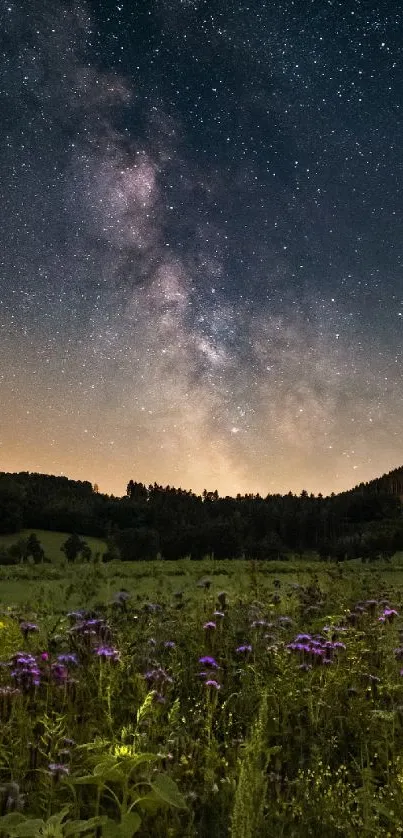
(315, 649)
(388, 615)
(89, 628)
(25, 671)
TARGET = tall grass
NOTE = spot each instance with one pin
(270, 705)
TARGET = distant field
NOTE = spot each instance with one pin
(52, 542)
(60, 586)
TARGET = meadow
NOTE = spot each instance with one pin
(189, 699)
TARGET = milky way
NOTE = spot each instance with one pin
(201, 242)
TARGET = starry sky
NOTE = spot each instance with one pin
(202, 242)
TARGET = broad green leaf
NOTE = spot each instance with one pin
(129, 824)
(138, 759)
(151, 802)
(29, 829)
(78, 827)
(168, 791)
(11, 820)
(110, 829)
(107, 769)
(56, 820)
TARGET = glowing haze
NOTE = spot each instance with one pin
(201, 257)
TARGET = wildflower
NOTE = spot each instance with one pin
(158, 676)
(210, 625)
(244, 649)
(285, 621)
(28, 628)
(122, 596)
(212, 683)
(9, 691)
(76, 615)
(258, 624)
(207, 660)
(303, 638)
(389, 614)
(44, 656)
(305, 667)
(59, 672)
(218, 614)
(169, 644)
(58, 769)
(398, 653)
(152, 607)
(26, 672)
(107, 653)
(68, 658)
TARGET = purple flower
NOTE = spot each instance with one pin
(209, 625)
(169, 644)
(207, 660)
(303, 638)
(28, 628)
(389, 614)
(59, 672)
(158, 676)
(218, 614)
(244, 649)
(258, 624)
(58, 769)
(107, 653)
(212, 683)
(68, 658)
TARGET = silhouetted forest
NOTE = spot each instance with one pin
(151, 521)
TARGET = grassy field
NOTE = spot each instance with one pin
(202, 699)
(52, 542)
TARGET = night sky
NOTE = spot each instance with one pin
(202, 242)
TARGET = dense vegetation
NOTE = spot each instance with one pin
(154, 520)
(272, 707)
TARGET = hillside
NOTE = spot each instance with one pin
(156, 520)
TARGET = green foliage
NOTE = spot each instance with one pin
(248, 820)
(145, 746)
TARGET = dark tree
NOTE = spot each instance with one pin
(72, 547)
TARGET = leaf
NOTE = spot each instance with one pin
(55, 820)
(167, 790)
(29, 829)
(110, 829)
(78, 827)
(11, 820)
(129, 824)
(138, 759)
(151, 802)
(107, 769)
(82, 781)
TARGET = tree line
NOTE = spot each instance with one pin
(154, 520)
